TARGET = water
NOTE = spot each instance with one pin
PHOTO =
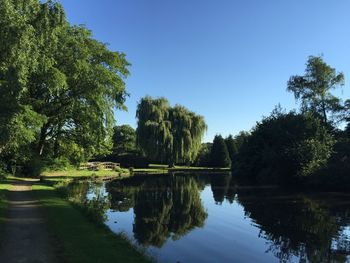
(208, 218)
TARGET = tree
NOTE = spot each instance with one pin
(168, 134)
(59, 85)
(203, 156)
(313, 89)
(124, 139)
(153, 128)
(231, 147)
(187, 129)
(283, 148)
(219, 156)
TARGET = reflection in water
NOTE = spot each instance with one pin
(295, 227)
(306, 227)
(164, 207)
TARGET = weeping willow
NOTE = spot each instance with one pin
(168, 134)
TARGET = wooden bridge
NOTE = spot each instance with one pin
(95, 166)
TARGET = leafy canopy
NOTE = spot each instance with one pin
(168, 134)
(313, 89)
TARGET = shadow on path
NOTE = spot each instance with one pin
(26, 239)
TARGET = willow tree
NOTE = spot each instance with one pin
(168, 134)
(313, 89)
(154, 128)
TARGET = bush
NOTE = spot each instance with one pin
(58, 164)
(33, 167)
(284, 148)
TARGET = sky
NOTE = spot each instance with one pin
(227, 60)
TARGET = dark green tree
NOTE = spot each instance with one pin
(285, 147)
(219, 156)
(231, 147)
(124, 139)
(203, 157)
(313, 89)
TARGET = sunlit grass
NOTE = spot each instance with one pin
(81, 239)
(83, 173)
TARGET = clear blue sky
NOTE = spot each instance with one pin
(228, 60)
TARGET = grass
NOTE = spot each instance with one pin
(81, 239)
(161, 168)
(5, 186)
(74, 173)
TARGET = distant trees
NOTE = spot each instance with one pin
(219, 155)
(231, 147)
(313, 89)
(168, 134)
(124, 139)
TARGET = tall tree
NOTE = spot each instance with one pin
(153, 128)
(313, 89)
(187, 129)
(60, 85)
(168, 134)
(231, 147)
(219, 156)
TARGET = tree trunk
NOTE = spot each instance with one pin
(42, 139)
(324, 110)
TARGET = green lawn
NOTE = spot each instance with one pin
(5, 185)
(81, 239)
(74, 173)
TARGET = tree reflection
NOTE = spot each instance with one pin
(91, 197)
(222, 186)
(307, 227)
(165, 207)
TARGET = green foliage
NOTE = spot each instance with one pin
(284, 147)
(231, 147)
(203, 157)
(168, 134)
(219, 155)
(59, 86)
(313, 89)
(33, 167)
(124, 139)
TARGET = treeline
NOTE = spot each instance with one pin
(59, 88)
(164, 135)
(304, 147)
(301, 147)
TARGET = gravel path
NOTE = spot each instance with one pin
(26, 239)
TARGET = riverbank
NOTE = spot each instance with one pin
(5, 185)
(72, 173)
(77, 239)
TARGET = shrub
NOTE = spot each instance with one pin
(284, 148)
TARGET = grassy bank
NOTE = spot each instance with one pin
(81, 239)
(123, 172)
(74, 173)
(5, 185)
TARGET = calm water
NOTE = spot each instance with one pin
(209, 219)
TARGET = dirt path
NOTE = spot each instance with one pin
(26, 239)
